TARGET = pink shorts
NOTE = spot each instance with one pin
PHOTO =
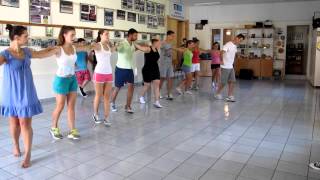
(83, 76)
(102, 78)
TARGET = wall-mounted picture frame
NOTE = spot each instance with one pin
(108, 17)
(155, 22)
(127, 4)
(66, 7)
(142, 19)
(39, 11)
(121, 15)
(10, 3)
(160, 9)
(125, 34)
(49, 31)
(144, 36)
(88, 13)
(150, 7)
(132, 17)
(139, 5)
(150, 21)
(161, 21)
(88, 34)
(117, 34)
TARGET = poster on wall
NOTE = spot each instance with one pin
(160, 9)
(161, 21)
(88, 13)
(132, 17)
(108, 17)
(139, 5)
(177, 9)
(142, 19)
(10, 3)
(150, 7)
(144, 36)
(155, 22)
(152, 22)
(39, 11)
(49, 32)
(88, 34)
(121, 15)
(66, 7)
(117, 34)
(127, 4)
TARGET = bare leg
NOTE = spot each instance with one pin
(85, 82)
(188, 81)
(161, 82)
(60, 101)
(27, 133)
(130, 94)
(99, 93)
(15, 134)
(156, 84)
(106, 96)
(218, 75)
(71, 101)
(196, 74)
(115, 94)
(169, 85)
(145, 89)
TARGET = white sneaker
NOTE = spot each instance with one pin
(161, 97)
(213, 85)
(157, 104)
(218, 96)
(179, 90)
(170, 97)
(188, 92)
(107, 122)
(230, 99)
(96, 119)
(315, 165)
(142, 101)
(114, 107)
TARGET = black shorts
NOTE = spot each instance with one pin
(215, 66)
(150, 75)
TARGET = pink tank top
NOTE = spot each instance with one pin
(215, 57)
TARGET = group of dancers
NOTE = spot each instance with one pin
(19, 98)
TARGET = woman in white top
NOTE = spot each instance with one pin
(102, 76)
(65, 82)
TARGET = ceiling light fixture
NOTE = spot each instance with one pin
(207, 3)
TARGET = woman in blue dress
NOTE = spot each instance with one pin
(19, 97)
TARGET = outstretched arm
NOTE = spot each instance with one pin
(181, 49)
(145, 49)
(50, 51)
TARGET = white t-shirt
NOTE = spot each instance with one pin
(103, 61)
(229, 55)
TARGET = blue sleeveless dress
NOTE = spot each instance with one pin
(19, 97)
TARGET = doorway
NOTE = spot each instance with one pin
(297, 50)
(216, 36)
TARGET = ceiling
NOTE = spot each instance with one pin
(226, 2)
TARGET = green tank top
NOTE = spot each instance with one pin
(187, 58)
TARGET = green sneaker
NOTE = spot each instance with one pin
(55, 133)
(74, 134)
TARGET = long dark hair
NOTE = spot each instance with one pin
(100, 32)
(64, 30)
(216, 43)
(15, 31)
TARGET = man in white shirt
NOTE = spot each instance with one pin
(227, 72)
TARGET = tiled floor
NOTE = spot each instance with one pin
(271, 132)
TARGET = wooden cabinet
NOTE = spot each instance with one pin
(205, 68)
(262, 68)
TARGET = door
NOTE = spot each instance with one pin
(216, 36)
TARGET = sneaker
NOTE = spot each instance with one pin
(83, 94)
(213, 85)
(179, 90)
(315, 165)
(55, 133)
(74, 134)
(142, 101)
(230, 99)
(170, 97)
(96, 119)
(218, 96)
(114, 107)
(157, 104)
(161, 97)
(129, 110)
(188, 92)
(107, 122)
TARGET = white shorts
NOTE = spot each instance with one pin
(195, 67)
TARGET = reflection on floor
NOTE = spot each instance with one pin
(271, 132)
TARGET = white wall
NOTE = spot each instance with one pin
(236, 16)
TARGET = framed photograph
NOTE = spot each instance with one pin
(88, 34)
(160, 9)
(108, 17)
(39, 11)
(144, 36)
(66, 7)
(117, 34)
(142, 19)
(10, 3)
(88, 13)
(125, 34)
(49, 32)
(161, 21)
(132, 17)
(150, 21)
(199, 26)
(155, 22)
(139, 5)
(121, 15)
(127, 4)
(150, 7)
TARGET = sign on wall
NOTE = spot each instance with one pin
(177, 9)
(88, 13)
(10, 3)
(108, 17)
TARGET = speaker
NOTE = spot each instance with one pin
(204, 22)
